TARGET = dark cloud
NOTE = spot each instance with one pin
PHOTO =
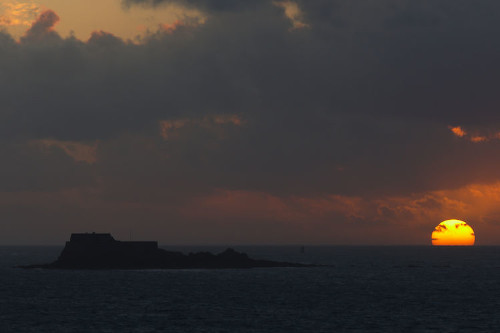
(215, 5)
(441, 228)
(324, 109)
(357, 101)
(42, 28)
(265, 66)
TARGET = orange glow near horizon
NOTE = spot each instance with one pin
(453, 232)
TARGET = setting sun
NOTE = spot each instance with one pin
(453, 232)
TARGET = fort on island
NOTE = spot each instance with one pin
(102, 251)
(88, 241)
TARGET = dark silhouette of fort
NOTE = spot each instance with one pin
(102, 251)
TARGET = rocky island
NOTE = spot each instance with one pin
(102, 251)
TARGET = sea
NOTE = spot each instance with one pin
(361, 289)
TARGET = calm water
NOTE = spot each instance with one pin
(369, 289)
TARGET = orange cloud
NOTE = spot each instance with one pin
(475, 138)
(18, 13)
(79, 152)
(293, 13)
(478, 138)
(478, 204)
(458, 131)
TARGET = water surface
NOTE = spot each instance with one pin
(368, 289)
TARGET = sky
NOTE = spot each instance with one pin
(249, 122)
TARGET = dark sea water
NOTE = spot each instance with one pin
(369, 289)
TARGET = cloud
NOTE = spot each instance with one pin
(476, 137)
(42, 28)
(26, 167)
(458, 131)
(80, 152)
(293, 13)
(212, 5)
(440, 228)
(341, 122)
(18, 13)
(170, 129)
(170, 28)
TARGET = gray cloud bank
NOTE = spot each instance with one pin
(358, 102)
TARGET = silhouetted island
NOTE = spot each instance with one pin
(102, 251)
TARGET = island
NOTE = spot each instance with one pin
(102, 251)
